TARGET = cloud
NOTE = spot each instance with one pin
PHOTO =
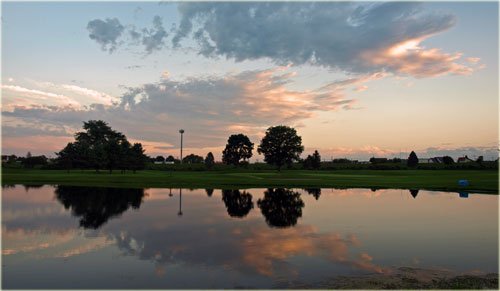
(109, 34)
(105, 32)
(27, 97)
(247, 102)
(349, 37)
(152, 39)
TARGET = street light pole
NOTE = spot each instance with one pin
(181, 132)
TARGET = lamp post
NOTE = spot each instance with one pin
(181, 132)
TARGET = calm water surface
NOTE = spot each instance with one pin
(78, 237)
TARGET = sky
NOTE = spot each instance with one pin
(356, 79)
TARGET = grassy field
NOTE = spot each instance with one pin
(446, 180)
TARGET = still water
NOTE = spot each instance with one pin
(80, 237)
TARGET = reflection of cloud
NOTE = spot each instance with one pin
(263, 248)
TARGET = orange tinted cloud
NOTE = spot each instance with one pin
(409, 58)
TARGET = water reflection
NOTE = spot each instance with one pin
(281, 207)
(209, 192)
(96, 205)
(238, 203)
(350, 232)
(414, 192)
(315, 192)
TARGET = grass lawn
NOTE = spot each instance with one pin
(447, 180)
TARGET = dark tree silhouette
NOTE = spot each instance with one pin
(412, 159)
(447, 160)
(414, 192)
(238, 147)
(193, 159)
(238, 203)
(315, 192)
(312, 161)
(281, 207)
(210, 192)
(281, 146)
(209, 160)
(100, 147)
(159, 159)
(96, 205)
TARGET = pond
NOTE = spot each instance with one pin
(85, 237)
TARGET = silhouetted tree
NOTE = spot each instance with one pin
(312, 161)
(315, 192)
(281, 207)
(281, 146)
(209, 160)
(30, 161)
(412, 159)
(480, 160)
(448, 160)
(238, 147)
(137, 157)
(193, 159)
(96, 205)
(159, 159)
(238, 203)
(101, 143)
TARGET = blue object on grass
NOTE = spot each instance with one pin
(463, 182)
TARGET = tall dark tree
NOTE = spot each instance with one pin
(312, 161)
(412, 159)
(238, 147)
(98, 147)
(209, 160)
(137, 157)
(101, 141)
(159, 159)
(281, 146)
(193, 159)
(281, 207)
(238, 203)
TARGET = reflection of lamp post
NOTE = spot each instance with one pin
(170, 193)
(180, 203)
(181, 132)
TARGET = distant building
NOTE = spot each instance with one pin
(159, 162)
(169, 162)
(438, 160)
(464, 160)
(425, 160)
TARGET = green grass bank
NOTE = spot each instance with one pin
(485, 181)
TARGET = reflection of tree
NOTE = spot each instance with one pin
(238, 203)
(281, 207)
(28, 187)
(209, 192)
(414, 192)
(316, 192)
(96, 205)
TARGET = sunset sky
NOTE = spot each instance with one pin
(355, 79)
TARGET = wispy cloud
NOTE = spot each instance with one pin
(247, 102)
